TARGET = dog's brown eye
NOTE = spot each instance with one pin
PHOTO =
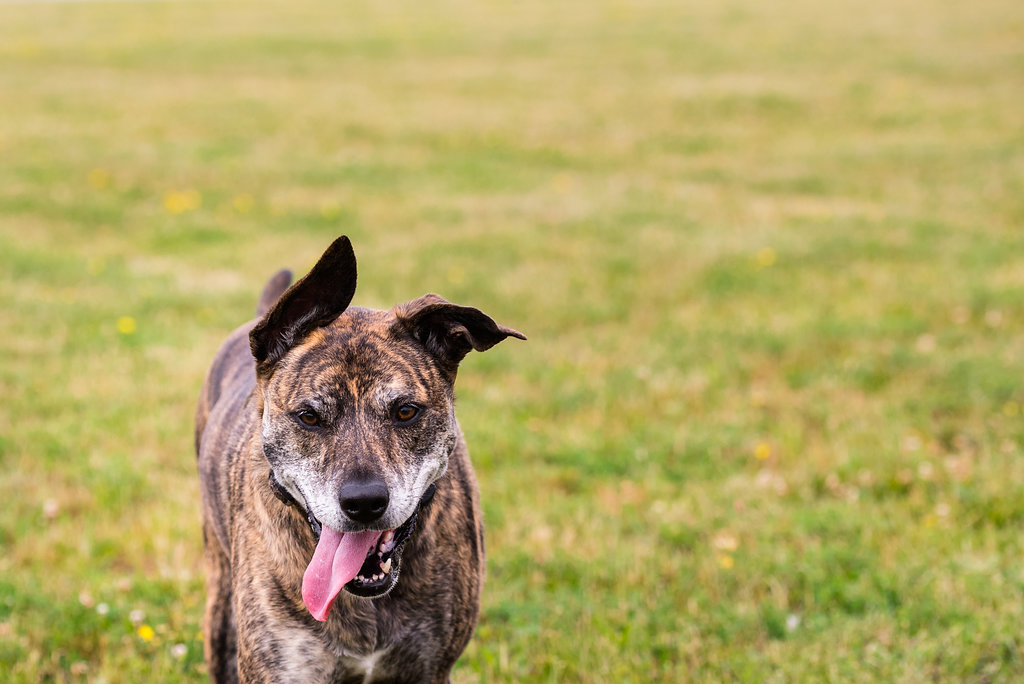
(309, 417)
(406, 412)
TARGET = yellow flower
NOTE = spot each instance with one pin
(766, 257)
(179, 202)
(725, 561)
(243, 203)
(762, 451)
(99, 178)
(126, 325)
(146, 633)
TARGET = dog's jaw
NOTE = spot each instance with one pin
(338, 564)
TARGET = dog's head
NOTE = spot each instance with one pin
(358, 416)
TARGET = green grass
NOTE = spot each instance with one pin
(768, 426)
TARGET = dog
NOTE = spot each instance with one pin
(342, 531)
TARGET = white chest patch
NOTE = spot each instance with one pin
(365, 664)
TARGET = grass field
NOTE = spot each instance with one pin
(769, 423)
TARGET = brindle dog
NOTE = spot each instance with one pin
(341, 518)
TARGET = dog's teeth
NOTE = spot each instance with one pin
(386, 566)
(388, 536)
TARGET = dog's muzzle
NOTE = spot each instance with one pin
(380, 569)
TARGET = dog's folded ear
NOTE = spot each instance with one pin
(314, 301)
(449, 331)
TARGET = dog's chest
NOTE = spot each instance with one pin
(363, 668)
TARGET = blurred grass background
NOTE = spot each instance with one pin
(768, 424)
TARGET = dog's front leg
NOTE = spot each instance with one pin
(219, 623)
(272, 645)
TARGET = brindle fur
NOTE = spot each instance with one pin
(310, 346)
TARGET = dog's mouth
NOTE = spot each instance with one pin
(365, 564)
(379, 572)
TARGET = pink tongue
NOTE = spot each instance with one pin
(336, 561)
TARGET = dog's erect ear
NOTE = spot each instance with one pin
(450, 331)
(314, 301)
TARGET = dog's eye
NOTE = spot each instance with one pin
(309, 417)
(406, 412)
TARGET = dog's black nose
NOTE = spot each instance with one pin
(364, 501)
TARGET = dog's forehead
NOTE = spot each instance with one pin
(363, 351)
